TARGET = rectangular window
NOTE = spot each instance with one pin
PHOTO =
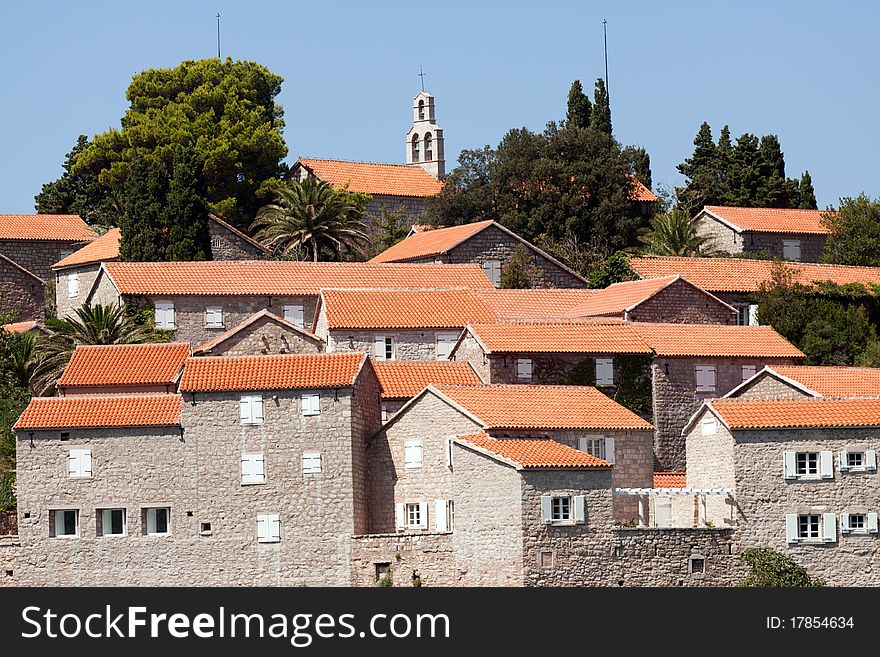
(445, 342)
(164, 314)
(742, 314)
(66, 522)
(748, 371)
(858, 522)
(79, 463)
(213, 317)
(251, 409)
(412, 454)
(809, 527)
(492, 268)
(384, 409)
(709, 425)
(416, 515)
(157, 521)
(216, 244)
(383, 347)
(268, 528)
(73, 285)
(561, 509)
(112, 522)
(253, 468)
(604, 371)
(594, 446)
(855, 460)
(705, 378)
(524, 368)
(311, 462)
(806, 464)
(791, 250)
(295, 315)
(311, 403)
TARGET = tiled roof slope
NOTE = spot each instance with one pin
(271, 372)
(402, 309)
(61, 227)
(797, 413)
(277, 277)
(431, 242)
(105, 247)
(534, 303)
(541, 407)
(125, 365)
(616, 298)
(534, 453)
(670, 480)
(717, 340)
(601, 337)
(373, 178)
(834, 381)
(100, 411)
(640, 192)
(771, 220)
(19, 327)
(223, 337)
(232, 229)
(401, 379)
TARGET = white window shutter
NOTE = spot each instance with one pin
(274, 526)
(245, 469)
(244, 409)
(440, 507)
(580, 509)
(258, 409)
(709, 425)
(262, 527)
(73, 285)
(258, 468)
(753, 314)
(791, 527)
(400, 515)
(605, 371)
(379, 347)
(546, 509)
(826, 465)
(449, 453)
(423, 515)
(844, 523)
(788, 460)
(73, 463)
(872, 522)
(829, 527)
(870, 459)
(844, 461)
(85, 463)
(609, 449)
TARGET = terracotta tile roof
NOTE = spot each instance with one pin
(103, 248)
(19, 327)
(535, 303)
(401, 379)
(431, 242)
(716, 340)
(771, 220)
(670, 480)
(60, 227)
(373, 178)
(279, 277)
(797, 413)
(271, 372)
(100, 411)
(619, 297)
(640, 192)
(530, 453)
(541, 407)
(597, 337)
(834, 381)
(744, 275)
(400, 309)
(223, 337)
(232, 229)
(125, 365)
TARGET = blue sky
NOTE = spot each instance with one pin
(806, 72)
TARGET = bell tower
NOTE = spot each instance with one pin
(424, 141)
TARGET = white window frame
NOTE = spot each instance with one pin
(79, 464)
(107, 521)
(868, 464)
(253, 468)
(604, 371)
(791, 250)
(384, 347)
(415, 515)
(213, 317)
(73, 285)
(561, 510)
(150, 514)
(295, 314)
(311, 462)
(268, 528)
(250, 409)
(216, 243)
(868, 523)
(602, 447)
(525, 369)
(59, 515)
(310, 403)
(447, 342)
(748, 371)
(413, 457)
(492, 269)
(702, 383)
(443, 515)
(809, 527)
(577, 510)
(164, 315)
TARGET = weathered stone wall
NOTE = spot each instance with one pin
(10, 550)
(429, 553)
(38, 256)
(723, 237)
(412, 208)
(681, 303)
(267, 336)
(104, 292)
(77, 391)
(227, 245)
(365, 422)
(391, 406)
(547, 368)
(66, 305)
(408, 345)
(811, 245)
(21, 294)
(9, 523)
(710, 462)
(769, 387)
(469, 351)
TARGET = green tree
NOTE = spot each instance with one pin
(640, 164)
(600, 115)
(615, 269)
(806, 193)
(225, 110)
(701, 171)
(144, 231)
(579, 107)
(517, 272)
(23, 361)
(186, 210)
(870, 357)
(312, 218)
(854, 237)
(773, 569)
(676, 234)
(393, 227)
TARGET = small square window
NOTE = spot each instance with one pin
(561, 509)
(216, 243)
(524, 368)
(112, 522)
(384, 408)
(66, 522)
(809, 527)
(697, 565)
(311, 403)
(157, 521)
(546, 559)
(383, 570)
(268, 528)
(65, 435)
(855, 459)
(294, 314)
(79, 463)
(214, 317)
(594, 446)
(807, 463)
(205, 529)
(858, 522)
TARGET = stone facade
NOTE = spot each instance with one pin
(429, 553)
(267, 336)
(21, 293)
(727, 239)
(38, 256)
(408, 345)
(226, 244)
(10, 556)
(767, 386)
(65, 305)
(682, 303)
(410, 208)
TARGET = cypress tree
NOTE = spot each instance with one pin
(806, 192)
(723, 161)
(640, 162)
(600, 118)
(579, 107)
(145, 236)
(186, 210)
(699, 169)
(744, 174)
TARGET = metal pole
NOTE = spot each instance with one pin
(218, 38)
(605, 35)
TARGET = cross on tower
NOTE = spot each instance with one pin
(422, 75)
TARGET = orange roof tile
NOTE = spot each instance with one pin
(797, 413)
(223, 337)
(541, 407)
(400, 309)
(834, 381)
(640, 192)
(19, 327)
(271, 372)
(770, 220)
(535, 303)
(283, 277)
(716, 340)
(670, 480)
(100, 411)
(373, 178)
(56, 227)
(431, 242)
(401, 379)
(103, 248)
(125, 365)
(530, 453)
(232, 229)
(597, 337)
(619, 297)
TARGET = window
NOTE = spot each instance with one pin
(111, 522)
(79, 463)
(415, 147)
(216, 244)
(524, 368)
(164, 315)
(696, 565)
(443, 515)
(492, 269)
(705, 378)
(311, 462)
(295, 315)
(383, 347)
(311, 403)
(604, 371)
(709, 425)
(251, 409)
(73, 285)
(205, 529)
(63, 253)
(253, 468)
(414, 516)
(808, 527)
(602, 447)
(563, 509)
(412, 454)
(791, 249)
(858, 461)
(855, 460)
(663, 512)
(411, 515)
(268, 528)
(748, 371)
(383, 569)
(808, 465)
(157, 521)
(429, 147)
(384, 409)
(858, 523)
(214, 317)
(812, 527)
(746, 314)
(64, 522)
(445, 342)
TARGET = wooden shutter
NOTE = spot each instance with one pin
(829, 527)
(791, 527)
(872, 522)
(400, 515)
(412, 454)
(440, 519)
(546, 509)
(709, 425)
(73, 285)
(274, 527)
(826, 465)
(605, 371)
(423, 515)
(73, 463)
(294, 315)
(844, 523)
(262, 527)
(379, 347)
(609, 449)
(258, 468)
(580, 509)
(257, 405)
(788, 460)
(748, 371)
(245, 411)
(870, 459)
(844, 461)
(246, 472)
(85, 463)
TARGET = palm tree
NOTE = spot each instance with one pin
(310, 216)
(26, 360)
(676, 234)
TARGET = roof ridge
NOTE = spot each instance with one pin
(382, 164)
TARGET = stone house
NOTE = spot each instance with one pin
(803, 475)
(798, 381)
(486, 243)
(411, 463)
(402, 380)
(36, 241)
(262, 333)
(201, 300)
(797, 235)
(22, 293)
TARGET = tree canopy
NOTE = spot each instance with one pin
(855, 233)
(770, 568)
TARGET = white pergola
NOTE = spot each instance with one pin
(644, 493)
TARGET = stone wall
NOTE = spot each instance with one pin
(711, 464)
(468, 350)
(267, 336)
(103, 292)
(38, 256)
(9, 523)
(391, 406)
(766, 386)
(682, 303)
(429, 553)
(66, 305)
(10, 551)
(408, 345)
(231, 246)
(811, 245)
(723, 237)
(365, 422)
(547, 368)
(21, 294)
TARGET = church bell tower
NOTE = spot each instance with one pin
(424, 141)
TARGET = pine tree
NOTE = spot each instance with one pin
(699, 169)
(807, 193)
(640, 163)
(186, 210)
(579, 107)
(744, 175)
(721, 170)
(145, 236)
(600, 117)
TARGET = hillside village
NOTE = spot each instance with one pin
(303, 422)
